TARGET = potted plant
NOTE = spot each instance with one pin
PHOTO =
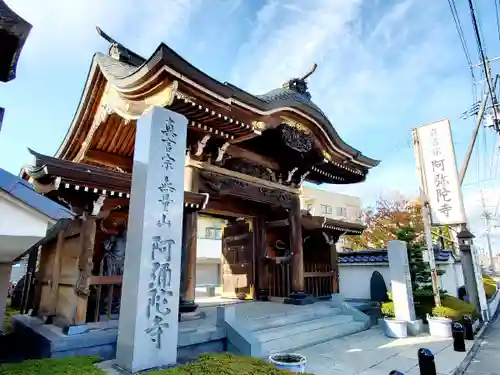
(291, 362)
(393, 327)
(451, 309)
(439, 322)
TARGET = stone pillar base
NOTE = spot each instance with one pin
(263, 295)
(299, 298)
(186, 306)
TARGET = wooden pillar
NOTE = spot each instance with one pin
(189, 241)
(29, 282)
(297, 261)
(332, 242)
(260, 243)
(87, 235)
(56, 273)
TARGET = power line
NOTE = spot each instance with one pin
(483, 58)
(461, 36)
(497, 17)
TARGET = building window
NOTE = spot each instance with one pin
(326, 210)
(341, 211)
(213, 233)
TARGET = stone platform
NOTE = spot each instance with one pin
(269, 323)
(196, 336)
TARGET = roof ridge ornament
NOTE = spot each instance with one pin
(299, 85)
(119, 52)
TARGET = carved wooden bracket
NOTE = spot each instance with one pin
(97, 205)
(200, 146)
(303, 178)
(222, 150)
(250, 169)
(224, 185)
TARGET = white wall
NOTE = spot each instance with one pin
(20, 227)
(354, 278)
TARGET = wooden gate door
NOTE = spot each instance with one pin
(237, 261)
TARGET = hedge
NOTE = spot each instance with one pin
(452, 308)
(490, 286)
(209, 364)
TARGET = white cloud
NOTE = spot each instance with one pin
(383, 70)
(66, 29)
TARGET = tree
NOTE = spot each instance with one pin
(389, 216)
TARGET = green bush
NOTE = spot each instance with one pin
(54, 366)
(224, 364)
(208, 364)
(387, 309)
(490, 286)
(454, 308)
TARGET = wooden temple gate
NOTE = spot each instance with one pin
(247, 157)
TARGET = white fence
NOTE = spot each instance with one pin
(354, 278)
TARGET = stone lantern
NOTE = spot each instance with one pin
(13, 33)
(464, 238)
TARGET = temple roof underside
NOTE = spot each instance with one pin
(282, 131)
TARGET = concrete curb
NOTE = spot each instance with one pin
(460, 370)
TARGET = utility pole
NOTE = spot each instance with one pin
(426, 220)
(487, 223)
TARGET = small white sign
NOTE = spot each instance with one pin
(440, 174)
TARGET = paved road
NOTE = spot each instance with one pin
(487, 359)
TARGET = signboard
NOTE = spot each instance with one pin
(440, 176)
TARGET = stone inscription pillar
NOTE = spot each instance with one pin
(148, 326)
(402, 293)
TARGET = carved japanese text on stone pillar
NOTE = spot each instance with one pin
(148, 327)
(160, 283)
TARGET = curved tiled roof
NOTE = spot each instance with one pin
(285, 93)
(380, 256)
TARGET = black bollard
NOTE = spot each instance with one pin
(469, 330)
(457, 331)
(426, 362)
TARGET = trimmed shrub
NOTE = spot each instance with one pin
(387, 309)
(226, 363)
(490, 286)
(454, 308)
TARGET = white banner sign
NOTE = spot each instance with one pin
(440, 174)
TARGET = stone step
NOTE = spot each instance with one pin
(285, 320)
(292, 342)
(305, 326)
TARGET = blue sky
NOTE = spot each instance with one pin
(385, 66)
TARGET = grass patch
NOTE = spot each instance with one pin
(7, 321)
(208, 364)
(54, 366)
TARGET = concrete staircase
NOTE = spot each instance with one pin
(290, 328)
